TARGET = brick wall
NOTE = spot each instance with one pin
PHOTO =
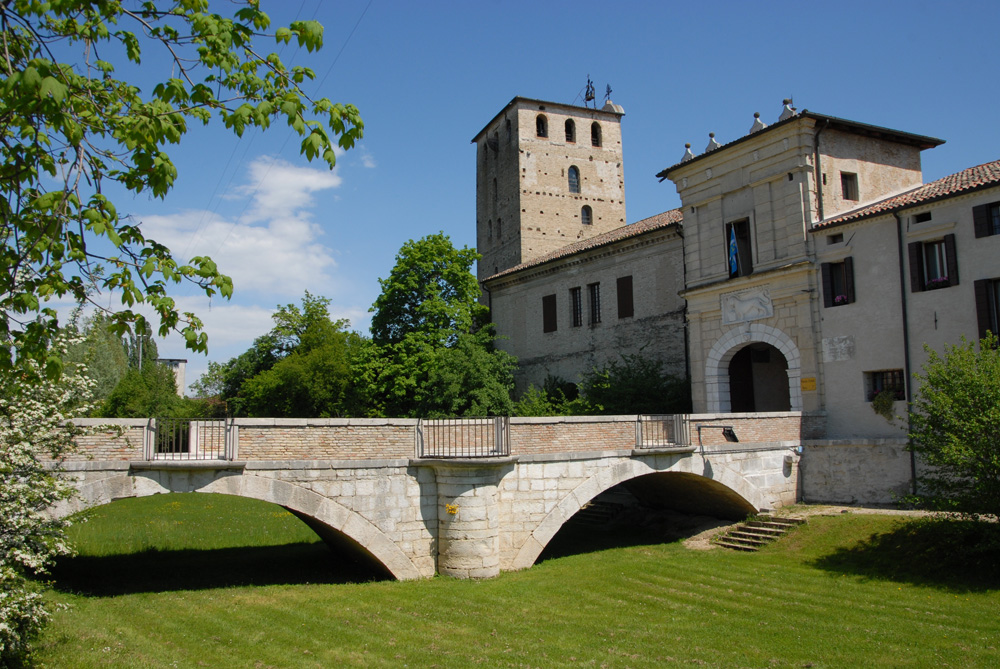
(560, 434)
(325, 439)
(108, 445)
(755, 428)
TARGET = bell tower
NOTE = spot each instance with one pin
(547, 175)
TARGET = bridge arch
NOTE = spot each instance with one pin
(307, 505)
(719, 480)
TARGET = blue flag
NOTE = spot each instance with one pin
(734, 264)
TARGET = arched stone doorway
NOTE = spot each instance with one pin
(717, 380)
(758, 380)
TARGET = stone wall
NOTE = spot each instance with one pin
(874, 471)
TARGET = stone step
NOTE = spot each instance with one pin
(736, 547)
(760, 531)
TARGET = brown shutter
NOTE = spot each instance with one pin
(916, 266)
(981, 289)
(952, 257)
(827, 284)
(849, 278)
(549, 313)
(625, 306)
(981, 220)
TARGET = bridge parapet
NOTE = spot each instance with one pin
(279, 439)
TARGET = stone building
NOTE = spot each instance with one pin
(805, 270)
(752, 286)
(570, 286)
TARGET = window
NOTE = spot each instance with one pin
(838, 282)
(508, 131)
(489, 229)
(835, 239)
(626, 309)
(586, 215)
(574, 180)
(576, 299)
(739, 258)
(890, 379)
(849, 185)
(570, 130)
(986, 218)
(595, 134)
(933, 264)
(922, 218)
(499, 229)
(549, 313)
(988, 306)
(541, 126)
(496, 193)
(595, 303)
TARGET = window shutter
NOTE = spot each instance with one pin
(981, 220)
(827, 285)
(549, 313)
(849, 278)
(952, 256)
(982, 292)
(916, 266)
(625, 305)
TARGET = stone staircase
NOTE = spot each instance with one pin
(755, 532)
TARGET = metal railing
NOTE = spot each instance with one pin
(190, 439)
(661, 431)
(463, 437)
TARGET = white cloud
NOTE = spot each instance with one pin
(282, 190)
(274, 246)
(367, 159)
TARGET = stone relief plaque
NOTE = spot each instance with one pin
(746, 305)
(838, 349)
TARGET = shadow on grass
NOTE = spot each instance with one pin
(642, 527)
(164, 571)
(959, 555)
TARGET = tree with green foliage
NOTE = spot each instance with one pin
(71, 129)
(955, 427)
(431, 291)
(635, 384)
(433, 352)
(304, 367)
(314, 380)
(102, 351)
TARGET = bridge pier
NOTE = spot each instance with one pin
(469, 515)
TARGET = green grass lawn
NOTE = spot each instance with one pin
(207, 580)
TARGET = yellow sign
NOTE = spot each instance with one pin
(809, 383)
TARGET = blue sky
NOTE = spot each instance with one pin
(428, 76)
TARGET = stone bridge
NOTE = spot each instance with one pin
(467, 498)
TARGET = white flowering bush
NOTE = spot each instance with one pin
(34, 437)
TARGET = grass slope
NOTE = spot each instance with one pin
(204, 580)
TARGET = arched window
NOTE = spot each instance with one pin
(508, 131)
(595, 134)
(570, 130)
(574, 180)
(495, 194)
(586, 215)
(542, 126)
(489, 229)
(499, 229)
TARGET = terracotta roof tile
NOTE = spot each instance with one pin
(980, 176)
(664, 220)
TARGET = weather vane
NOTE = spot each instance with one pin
(590, 96)
(607, 94)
